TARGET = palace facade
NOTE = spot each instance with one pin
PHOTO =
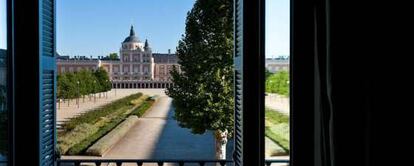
(137, 66)
(274, 65)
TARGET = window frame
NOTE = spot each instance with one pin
(301, 85)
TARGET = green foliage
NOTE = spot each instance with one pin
(73, 85)
(275, 116)
(277, 128)
(110, 139)
(278, 83)
(267, 74)
(85, 143)
(83, 131)
(95, 115)
(203, 86)
(279, 134)
(113, 56)
(140, 110)
(102, 79)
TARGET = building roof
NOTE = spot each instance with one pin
(165, 58)
(131, 37)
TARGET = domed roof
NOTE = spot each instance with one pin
(131, 37)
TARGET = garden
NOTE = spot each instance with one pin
(82, 83)
(277, 128)
(81, 132)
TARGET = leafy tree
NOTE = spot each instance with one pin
(113, 56)
(84, 82)
(278, 83)
(102, 79)
(203, 86)
(267, 73)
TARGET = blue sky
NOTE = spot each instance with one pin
(97, 27)
(3, 20)
(277, 28)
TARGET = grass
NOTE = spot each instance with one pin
(108, 140)
(95, 115)
(140, 110)
(89, 141)
(74, 141)
(277, 128)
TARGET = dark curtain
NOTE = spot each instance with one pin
(341, 103)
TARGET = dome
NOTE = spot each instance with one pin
(131, 37)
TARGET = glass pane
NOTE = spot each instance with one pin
(3, 82)
(277, 79)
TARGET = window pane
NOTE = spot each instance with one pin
(3, 82)
(277, 79)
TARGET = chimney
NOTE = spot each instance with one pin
(169, 51)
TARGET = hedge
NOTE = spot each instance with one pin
(94, 115)
(140, 110)
(110, 139)
(277, 128)
(104, 119)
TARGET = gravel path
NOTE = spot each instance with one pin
(65, 112)
(277, 102)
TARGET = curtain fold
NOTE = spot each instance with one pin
(324, 146)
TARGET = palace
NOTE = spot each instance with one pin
(274, 65)
(137, 66)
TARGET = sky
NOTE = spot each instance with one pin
(97, 27)
(277, 28)
(3, 21)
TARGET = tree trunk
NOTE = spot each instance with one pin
(221, 141)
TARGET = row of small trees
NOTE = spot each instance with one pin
(81, 83)
(278, 83)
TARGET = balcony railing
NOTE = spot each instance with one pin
(119, 162)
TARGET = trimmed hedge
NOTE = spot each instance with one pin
(77, 133)
(94, 115)
(110, 139)
(105, 119)
(277, 128)
(140, 110)
(279, 134)
(75, 136)
(84, 144)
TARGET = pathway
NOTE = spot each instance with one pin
(277, 102)
(65, 112)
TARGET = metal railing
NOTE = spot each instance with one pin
(119, 162)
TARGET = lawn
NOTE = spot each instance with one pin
(277, 128)
(83, 131)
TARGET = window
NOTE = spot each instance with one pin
(4, 68)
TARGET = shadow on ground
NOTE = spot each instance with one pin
(179, 143)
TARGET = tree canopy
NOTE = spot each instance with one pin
(278, 83)
(73, 85)
(203, 85)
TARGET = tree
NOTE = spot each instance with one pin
(102, 79)
(278, 83)
(113, 56)
(203, 86)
